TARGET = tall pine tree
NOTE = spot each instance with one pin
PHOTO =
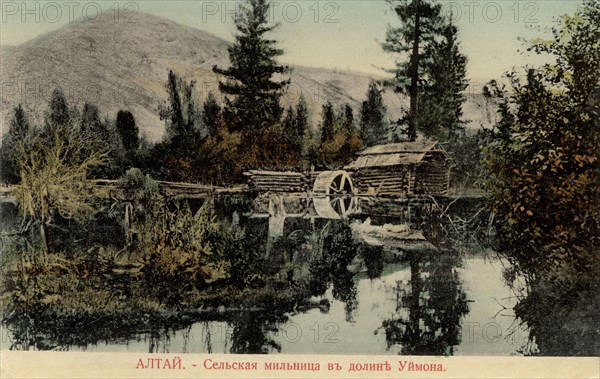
(444, 96)
(211, 114)
(59, 115)
(421, 25)
(249, 80)
(303, 126)
(296, 127)
(328, 124)
(128, 130)
(373, 123)
(13, 143)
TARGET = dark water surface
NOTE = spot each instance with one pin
(406, 287)
(482, 330)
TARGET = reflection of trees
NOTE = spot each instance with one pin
(39, 330)
(373, 258)
(330, 264)
(159, 341)
(251, 332)
(434, 305)
(562, 321)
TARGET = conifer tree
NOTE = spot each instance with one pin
(373, 124)
(211, 114)
(328, 125)
(421, 24)
(302, 124)
(94, 129)
(347, 122)
(58, 116)
(254, 94)
(128, 130)
(296, 126)
(444, 96)
(17, 136)
(289, 125)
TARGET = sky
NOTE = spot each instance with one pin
(343, 35)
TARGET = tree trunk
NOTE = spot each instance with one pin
(127, 222)
(414, 76)
(415, 308)
(44, 233)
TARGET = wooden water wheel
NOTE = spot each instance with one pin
(333, 194)
(333, 182)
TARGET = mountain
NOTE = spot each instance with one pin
(124, 65)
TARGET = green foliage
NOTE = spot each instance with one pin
(544, 159)
(59, 115)
(335, 249)
(373, 114)
(137, 187)
(101, 136)
(340, 139)
(434, 306)
(246, 266)
(19, 135)
(249, 80)
(303, 127)
(297, 129)
(172, 159)
(218, 161)
(433, 71)
(328, 123)
(421, 24)
(182, 115)
(140, 191)
(466, 151)
(128, 130)
(54, 178)
(181, 249)
(562, 321)
(211, 114)
(442, 99)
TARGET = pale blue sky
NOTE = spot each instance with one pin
(333, 34)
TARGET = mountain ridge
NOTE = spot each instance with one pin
(124, 65)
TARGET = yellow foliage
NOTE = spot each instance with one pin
(54, 177)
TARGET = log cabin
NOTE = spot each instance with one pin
(421, 167)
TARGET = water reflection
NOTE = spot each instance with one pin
(429, 308)
(329, 265)
(357, 277)
(561, 321)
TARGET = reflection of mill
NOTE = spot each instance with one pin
(372, 229)
(277, 208)
(331, 199)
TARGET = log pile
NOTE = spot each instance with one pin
(275, 181)
(185, 190)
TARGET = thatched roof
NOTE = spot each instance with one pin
(394, 154)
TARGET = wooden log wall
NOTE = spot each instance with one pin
(432, 176)
(275, 181)
(391, 180)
